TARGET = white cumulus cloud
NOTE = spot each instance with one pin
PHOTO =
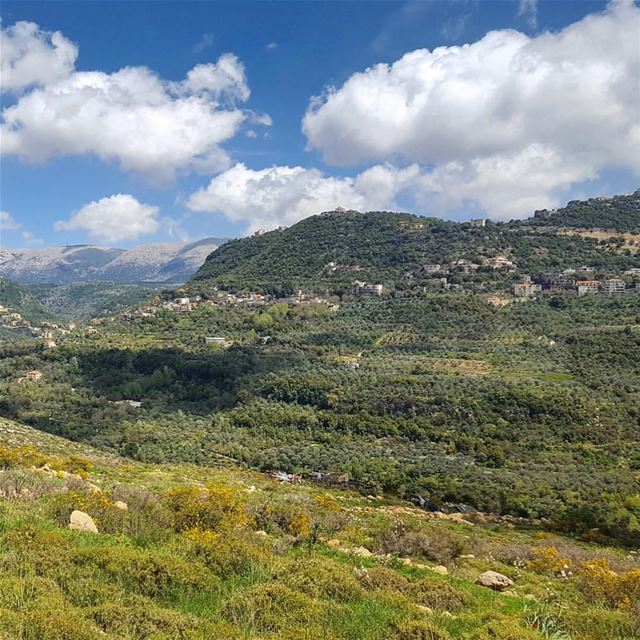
(31, 56)
(132, 117)
(225, 78)
(543, 112)
(114, 218)
(8, 222)
(528, 9)
(282, 195)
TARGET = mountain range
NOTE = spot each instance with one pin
(161, 262)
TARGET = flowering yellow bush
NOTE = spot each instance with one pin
(548, 560)
(21, 457)
(11, 457)
(327, 502)
(201, 538)
(603, 584)
(299, 525)
(215, 508)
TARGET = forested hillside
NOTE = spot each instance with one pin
(529, 409)
(331, 250)
(71, 302)
(618, 213)
(404, 371)
(21, 299)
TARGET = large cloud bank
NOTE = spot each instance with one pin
(507, 122)
(132, 117)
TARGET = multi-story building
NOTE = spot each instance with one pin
(525, 289)
(373, 289)
(613, 285)
(587, 286)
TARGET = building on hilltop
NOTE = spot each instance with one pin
(501, 262)
(558, 282)
(464, 265)
(412, 225)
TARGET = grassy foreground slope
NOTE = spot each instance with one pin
(220, 552)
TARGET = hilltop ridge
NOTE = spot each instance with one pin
(333, 249)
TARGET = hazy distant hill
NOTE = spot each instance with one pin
(336, 248)
(148, 263)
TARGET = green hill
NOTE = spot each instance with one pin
(334, 249)
(618, 213)
(21, 299)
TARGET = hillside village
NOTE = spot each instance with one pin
(574, 281)
(12, 319)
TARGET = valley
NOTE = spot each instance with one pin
(308, 389)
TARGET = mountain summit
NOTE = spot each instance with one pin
(168, 262)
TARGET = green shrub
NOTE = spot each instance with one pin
(270, 608)
(58, 624)
(137, 617)
(150, 573)
(384, 579)
(320, 578)
(226, 556)
(438, 594)
(419, 630)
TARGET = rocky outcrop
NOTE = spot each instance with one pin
(81, 521)
(494, 580)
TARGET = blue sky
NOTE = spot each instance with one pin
(244, 145)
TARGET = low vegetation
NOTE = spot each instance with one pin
(188, 552)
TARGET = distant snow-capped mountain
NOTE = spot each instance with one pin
(170, 262)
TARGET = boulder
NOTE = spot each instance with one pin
(440, 569)
(361, 552)
(123, 506)
(494, 580)
(81, 521)
(261, 533)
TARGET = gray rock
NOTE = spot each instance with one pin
(81, 521)
(494, 580)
